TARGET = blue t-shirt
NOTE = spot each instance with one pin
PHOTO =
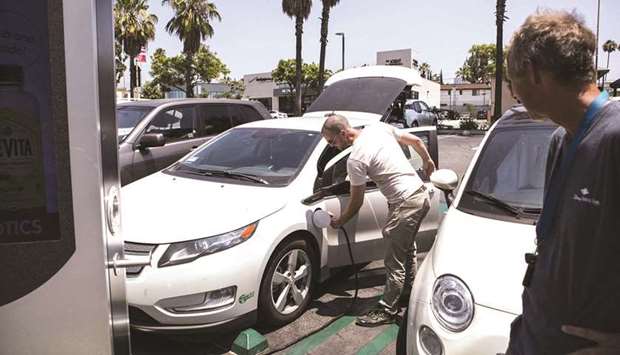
(576, 279)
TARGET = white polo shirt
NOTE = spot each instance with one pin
(377, 154)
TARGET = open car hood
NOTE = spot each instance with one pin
(371, 95)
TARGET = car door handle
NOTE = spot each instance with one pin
(118, 263)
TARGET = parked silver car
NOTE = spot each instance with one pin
(417, 113)
(154, 134)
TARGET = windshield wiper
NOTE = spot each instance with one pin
(515, 211)
(236, 175)
(222, 173)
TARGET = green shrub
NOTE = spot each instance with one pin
(469, 124)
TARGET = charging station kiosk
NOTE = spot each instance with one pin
(62, 282)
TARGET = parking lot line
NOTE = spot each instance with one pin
(315, 340)
(380, 342)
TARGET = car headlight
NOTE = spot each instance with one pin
(179, 253)
(452, 303)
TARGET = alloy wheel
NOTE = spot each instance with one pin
(291, 280)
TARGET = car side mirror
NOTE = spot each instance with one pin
(445, 180)
(150, 140)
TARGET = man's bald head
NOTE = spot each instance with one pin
(335, 124)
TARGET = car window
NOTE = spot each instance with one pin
(511, 167)
(273, 154)
(175, 124)
(424, 106)
(214, 119)
(414, 158)
(335, 174)
(244, 114)
(128, 117)
(416, 107)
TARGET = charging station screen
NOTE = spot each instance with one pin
(28, 171)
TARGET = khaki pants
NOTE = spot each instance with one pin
(403, 222)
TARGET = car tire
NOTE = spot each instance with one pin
(278, 291)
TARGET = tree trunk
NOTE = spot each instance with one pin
(299, 29)
(499, 58)
(189, 86)
(324, 32)
(132, 76)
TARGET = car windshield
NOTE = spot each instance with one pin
(509, 176)
(127, 117)
(269, 156)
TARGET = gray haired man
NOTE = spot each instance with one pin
(376, 154)
(572, 288)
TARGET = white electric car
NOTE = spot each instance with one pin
(468, 289)
(227, 230)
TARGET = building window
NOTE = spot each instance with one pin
(460, 92)
(475, 92)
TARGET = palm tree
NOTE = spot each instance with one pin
(609, 46)
(134, 26)
(300, 10)
(327, 5)
(192, 24)
(500, 17)
(425, 70)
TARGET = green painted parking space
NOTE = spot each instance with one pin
(317, 339)
(380, 342)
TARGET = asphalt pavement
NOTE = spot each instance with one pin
(331, 299)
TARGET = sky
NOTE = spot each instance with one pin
(254, 34)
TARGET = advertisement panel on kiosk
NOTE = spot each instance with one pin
(62, 282)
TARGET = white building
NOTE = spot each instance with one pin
(429, 92)
(457, 97)
(261, 87)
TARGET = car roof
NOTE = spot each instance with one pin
(306, 123)
(517, 116)
(159, 102)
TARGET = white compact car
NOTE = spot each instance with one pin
(468, 289)
(227, 231)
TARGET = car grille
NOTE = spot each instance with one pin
(138, 250)
(139, 317)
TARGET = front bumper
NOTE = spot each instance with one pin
(487, 334)
(140, 321)
(150, 292)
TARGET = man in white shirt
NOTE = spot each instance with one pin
(377, 154)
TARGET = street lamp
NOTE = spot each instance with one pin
(342, 34)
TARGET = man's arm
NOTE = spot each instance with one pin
(420, 148)
(354, 205)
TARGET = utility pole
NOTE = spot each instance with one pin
(500, 17)
(598, 16)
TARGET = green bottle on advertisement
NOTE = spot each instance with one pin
(22, 178)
